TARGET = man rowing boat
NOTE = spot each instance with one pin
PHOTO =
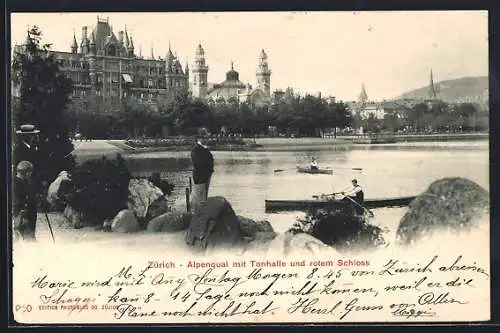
(314, 164)
(355, 195)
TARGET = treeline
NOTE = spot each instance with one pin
(438, 116)
(294, 114)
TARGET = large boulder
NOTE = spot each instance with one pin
(449, 204)
(142, 194)
(58, 188)
(249, 227)
(169, 222)
(125, 221)
(214, 226)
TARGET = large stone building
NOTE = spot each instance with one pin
(231, 90)
(107, 65)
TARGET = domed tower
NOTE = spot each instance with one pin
(264, 74)
(200, 74)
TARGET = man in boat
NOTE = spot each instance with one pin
(203, 167)
(355, 196)
(314, 164)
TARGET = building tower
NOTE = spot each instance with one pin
(363, 96)
(264, 74)
(432, 89)
(200, 74)
(74, 46)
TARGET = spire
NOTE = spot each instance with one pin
(131, 46)
(363, 96)
(432, 89)
(152, 54)
(74, 46)
(127, 42)
(232, 65)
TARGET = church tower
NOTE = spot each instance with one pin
(363, 96)
(264, 74)
(200, 74)
(432, 89)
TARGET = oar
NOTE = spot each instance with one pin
(327, 168)
(349, 168)
(366, 210)
(280, 170)
(326, 195)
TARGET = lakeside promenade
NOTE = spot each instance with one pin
(97, 148)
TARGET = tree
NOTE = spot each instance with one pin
(43, 94)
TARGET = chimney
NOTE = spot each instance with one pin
(84, 33)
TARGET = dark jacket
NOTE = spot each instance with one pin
(203, 164)
(24, 199)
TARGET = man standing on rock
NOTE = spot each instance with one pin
(203, 167)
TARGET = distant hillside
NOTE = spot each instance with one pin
(466, 89)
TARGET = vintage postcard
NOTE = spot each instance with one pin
(250, 167)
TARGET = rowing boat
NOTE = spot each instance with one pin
(303, 205)
(314, 171)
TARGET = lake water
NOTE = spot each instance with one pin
(246, 179)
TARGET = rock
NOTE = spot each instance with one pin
(290, 245)
(169, 222)
(74, 219)
(198, 196)
(142, 193)
(106, 226)
(157, 208)
(260, 241)
(125, 221)
(214, 225)
(449, 204)
(54, 192)
(249, 227)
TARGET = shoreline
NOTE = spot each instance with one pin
(99, 148)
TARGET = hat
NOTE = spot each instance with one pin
(24, 165)
(27, 129)
(354, 180)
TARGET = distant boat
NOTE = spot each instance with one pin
(314, 171)
(374, 138)
(303, 205)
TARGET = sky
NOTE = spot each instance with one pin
(329, 52)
